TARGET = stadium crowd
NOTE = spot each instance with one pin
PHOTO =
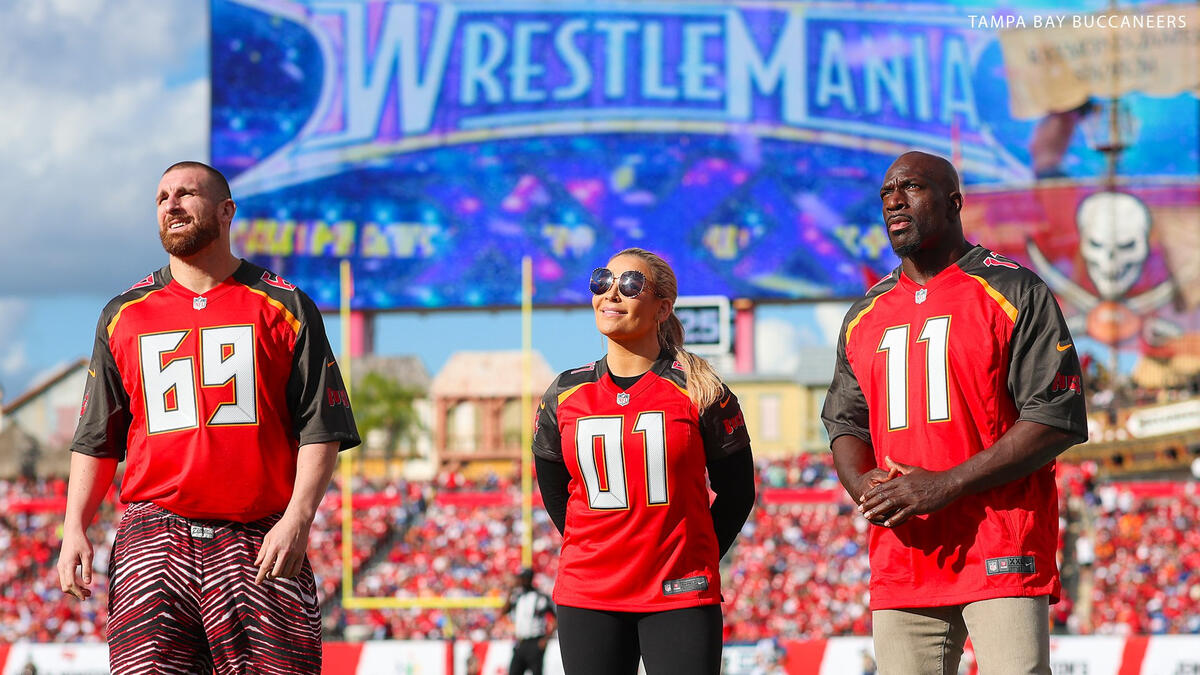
(1145, 563)
(799, 570)
(32, 606)
(380, 508)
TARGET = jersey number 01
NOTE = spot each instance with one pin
(169, 389)
(936, 336)
(607, 485)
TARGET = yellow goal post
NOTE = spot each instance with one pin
(349, 599)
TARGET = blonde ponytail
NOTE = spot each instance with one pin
(703, 384)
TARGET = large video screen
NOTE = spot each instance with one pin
(435, 144)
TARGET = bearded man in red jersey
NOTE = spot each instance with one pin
(956, 386)
(213, 380)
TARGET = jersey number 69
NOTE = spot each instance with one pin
(169, 390)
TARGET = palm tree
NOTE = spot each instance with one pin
(381, 402)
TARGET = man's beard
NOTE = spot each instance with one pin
(910, 242)
(907, 249)
(193, 240)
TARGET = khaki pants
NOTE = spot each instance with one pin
(1011, 636)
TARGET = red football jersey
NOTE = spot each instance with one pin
(933, 375)
(208, 397)
(639, 536)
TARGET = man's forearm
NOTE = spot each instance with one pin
(853, 459)
(1023, 449)
(89, 481)
(314, 468)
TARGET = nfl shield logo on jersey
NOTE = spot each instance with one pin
(623, 398)
(921, 295)
(199, 303)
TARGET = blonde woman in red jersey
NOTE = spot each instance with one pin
(626, 448)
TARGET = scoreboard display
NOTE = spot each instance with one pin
(435, 144)
(707, 323)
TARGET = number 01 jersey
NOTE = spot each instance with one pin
(933, 375)
(639, 536)
(208, 397)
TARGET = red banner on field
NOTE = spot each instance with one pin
(1092, 654)
(804, 496)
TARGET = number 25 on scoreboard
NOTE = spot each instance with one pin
(935, 333)
(169, 390)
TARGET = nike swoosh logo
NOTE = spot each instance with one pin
(1063, 348)
(723, 403)
(331, 363)
(91, 372)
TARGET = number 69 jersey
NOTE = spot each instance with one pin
(208, 397)
(933, 375)
(639, 536)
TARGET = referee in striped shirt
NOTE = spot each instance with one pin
(533, 621)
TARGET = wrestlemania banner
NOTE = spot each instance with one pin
(433, 144)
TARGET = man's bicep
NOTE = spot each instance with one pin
(104, 414)
(845, 409)
(1045, 377)
(317, 396)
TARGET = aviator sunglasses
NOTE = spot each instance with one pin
(631, 283)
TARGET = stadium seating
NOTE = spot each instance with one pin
(379, 510)
(1146, 574)
(798, 571)
(32, 606)
(455, 550)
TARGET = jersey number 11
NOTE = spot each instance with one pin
(936, 336)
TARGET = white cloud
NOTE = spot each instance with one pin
(82, 10)
(44, 374)
(13, 314)
(829, 317)
(99, 98)
(14, 359)
(775, 342)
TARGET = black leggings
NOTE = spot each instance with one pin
(599, 642)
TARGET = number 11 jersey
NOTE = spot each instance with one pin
(933, 375)
(639, 536)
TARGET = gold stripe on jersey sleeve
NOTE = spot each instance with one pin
(854, 322)
(287, 316)
(112, 324)
(681, 389)
(1006, 306)
(567, 394)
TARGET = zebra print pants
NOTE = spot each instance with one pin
(183, 600)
